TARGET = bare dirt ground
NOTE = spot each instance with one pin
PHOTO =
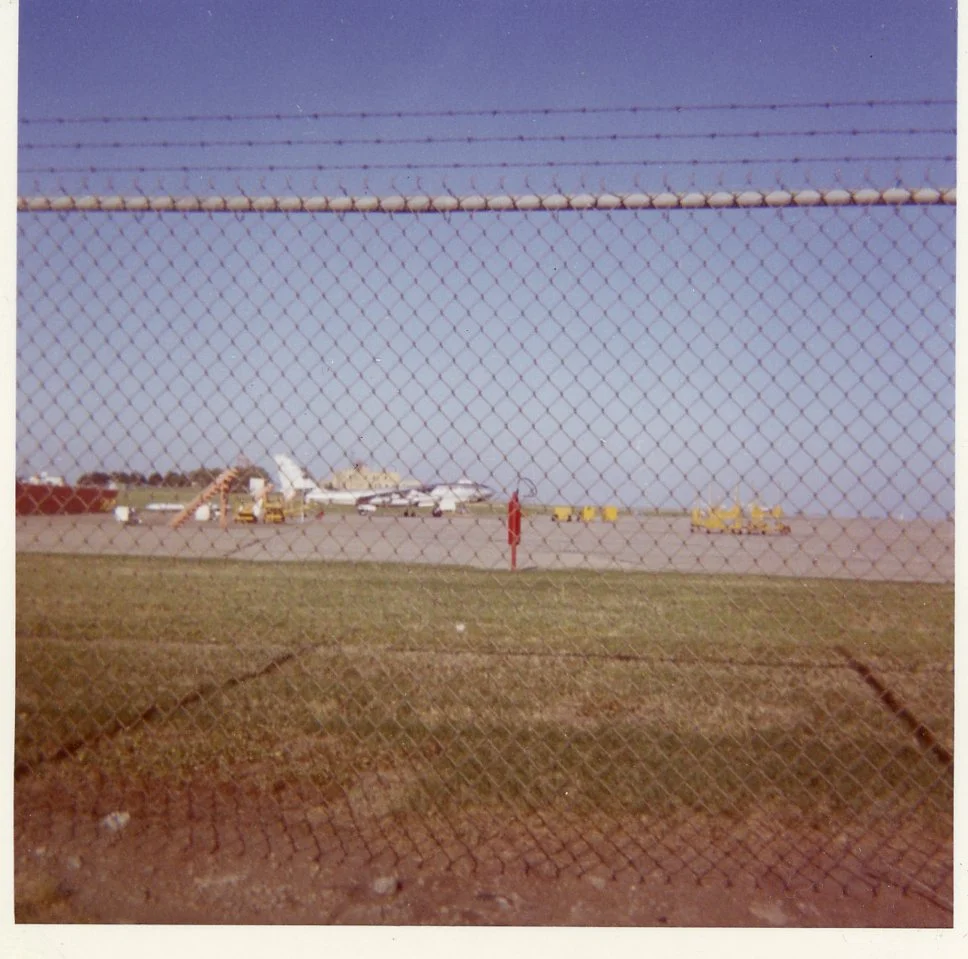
(93, 851)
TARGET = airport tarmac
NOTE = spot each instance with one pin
(864, 549)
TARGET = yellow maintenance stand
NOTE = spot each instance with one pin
(719, 519)
(757, 524)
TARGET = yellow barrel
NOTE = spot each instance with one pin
(561, 514)
(609, 514)
(588, 513)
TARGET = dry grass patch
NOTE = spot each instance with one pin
(627, 692)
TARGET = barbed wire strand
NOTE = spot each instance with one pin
(488, 165)
(472, 140)
(489, 112)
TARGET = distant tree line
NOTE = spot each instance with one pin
(200, 477)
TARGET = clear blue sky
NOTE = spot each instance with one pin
(792, 353)
(104, 57)
(168, 58)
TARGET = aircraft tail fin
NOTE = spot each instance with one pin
(293, 478)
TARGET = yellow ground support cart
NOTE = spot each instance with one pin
(245, 513)
(275, 510)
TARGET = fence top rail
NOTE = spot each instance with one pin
(554, 202)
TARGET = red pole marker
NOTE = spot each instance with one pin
(514, 527)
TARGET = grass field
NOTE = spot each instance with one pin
(628, 692)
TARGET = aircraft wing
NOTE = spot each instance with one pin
(407, 497)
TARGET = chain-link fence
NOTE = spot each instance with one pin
(269, 603)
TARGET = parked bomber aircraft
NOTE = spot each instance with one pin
(438, 497)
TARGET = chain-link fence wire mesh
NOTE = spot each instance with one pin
(727, 644)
